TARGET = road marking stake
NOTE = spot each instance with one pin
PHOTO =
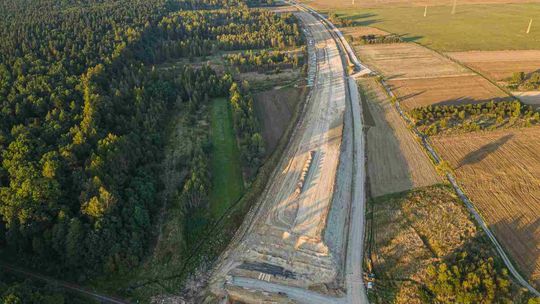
(529, 28)
(425, 11)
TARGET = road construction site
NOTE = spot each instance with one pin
(303, 240)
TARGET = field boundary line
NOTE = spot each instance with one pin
(505, 90)
(464, 198)
(453, 181)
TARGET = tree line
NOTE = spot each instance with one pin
(522, 81)
(250, 141)
(379, 39)
(432, 120)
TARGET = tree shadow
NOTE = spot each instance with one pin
(364, 19)
(526, 246)
(408, 38)
(411, 95)
(469, 100)
(481, 153)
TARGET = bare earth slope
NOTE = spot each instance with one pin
(500, 171)
(396, 161)
(283, 244)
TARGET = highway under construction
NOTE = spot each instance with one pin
(303, 240)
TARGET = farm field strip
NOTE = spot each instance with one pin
(480, 221)
(408, 60)
(396, 160)
(484, 26)
(500, 65)
(422, 77)
(414, 93)
(324, 5)
(227, 181)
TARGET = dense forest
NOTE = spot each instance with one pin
(14, 290)
(83, 111)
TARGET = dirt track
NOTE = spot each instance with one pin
(284, 242)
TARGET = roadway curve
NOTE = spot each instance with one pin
(286, 230)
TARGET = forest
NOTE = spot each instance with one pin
(83, 110)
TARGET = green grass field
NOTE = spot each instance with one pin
(473, 27)
(227, 182)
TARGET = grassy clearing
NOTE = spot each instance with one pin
(473, 27)
(227, 182)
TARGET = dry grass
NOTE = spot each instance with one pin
(414, 93)
(500, 65)
(347, 4)
(500, 171)
(411, 231)
(396, 160)
(408, 60)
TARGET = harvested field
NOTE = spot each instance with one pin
(422, 77)
(531, 98)
(397, 162)
(408, 60)
(500, 171)
(414, 93)
(500, 65)
(347, 4)
(274, 108)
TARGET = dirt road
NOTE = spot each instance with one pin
(281, 246)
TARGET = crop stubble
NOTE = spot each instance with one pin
(422, 77)
(500, 171)
(499, 65)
